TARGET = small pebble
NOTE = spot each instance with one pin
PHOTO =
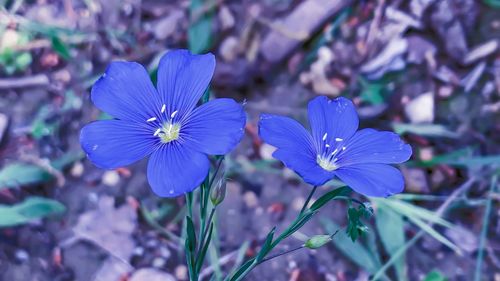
(250, 199)
(297, 203)
(22, 255)
(110, 178)
(164, 252)
(181, 272)
(77, 169)
(138, 251)
(159, 262)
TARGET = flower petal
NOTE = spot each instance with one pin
(182, 80)
(286, 133)
(110, 144)
(125, 92)
(295, 147)
(332, 120)
(175, 169)
(372, 146)
(215, 127)
(377, 180)
(304, 165)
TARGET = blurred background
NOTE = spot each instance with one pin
(427, 69)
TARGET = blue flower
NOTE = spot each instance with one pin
(163, 122)
(335, 148)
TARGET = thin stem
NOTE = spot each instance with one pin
(205, 230)
(283, 253)
(189, 203)
(308, 199)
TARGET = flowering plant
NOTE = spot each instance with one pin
(165, 123)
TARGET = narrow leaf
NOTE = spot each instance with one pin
(341, 191)
(31, 209)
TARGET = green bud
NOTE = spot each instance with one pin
(317, 241)
(218, 192)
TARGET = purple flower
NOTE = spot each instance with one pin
(164, 122)
(335, 148)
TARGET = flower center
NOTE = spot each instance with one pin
(168, 132)
(326, 163)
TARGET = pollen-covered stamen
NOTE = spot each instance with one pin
(326, 163)
(151, 119)
(168, 132)
(328, 159)
(173, 114)
(324, 136)
(163, 107)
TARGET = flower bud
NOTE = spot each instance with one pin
(317, 241)
(218, 192)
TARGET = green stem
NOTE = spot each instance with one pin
(205, 230)
(304, 216)
(308, 199)
(283, 253)
(484, 231)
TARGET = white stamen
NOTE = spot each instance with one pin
(324, 136)
(163, 108)
(335, 151)
(338, 139)
(344, 148)
(157, 132)
(173, 114)
(327, 145)
(151, 119)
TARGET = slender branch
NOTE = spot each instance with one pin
(308, 199)
(205, 230)
(283, 253)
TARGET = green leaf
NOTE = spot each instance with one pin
(435, 276)
(390, 226)
(60, 48)
(492, 3)
(354, 251)
(429, 130)
(191, 235)
(200, 34)
(341, 191)
(409, 210)
(372, 92)
(356, 227)
(267, 246)
(203, 252)
(31, 209)
(22, 61)
(417, 215)
(20, 174)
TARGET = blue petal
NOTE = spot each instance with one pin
(336, 118)
(377, 180)
(182, 80)
(175, 169)
(215, 127)
(371, 146)
(125, 92)
(110, 144)
(295, 147)
(304, 165)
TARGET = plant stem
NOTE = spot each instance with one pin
(283, 253)
(205, 230)
(484, 231)
(308, 199)
(302, 218)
